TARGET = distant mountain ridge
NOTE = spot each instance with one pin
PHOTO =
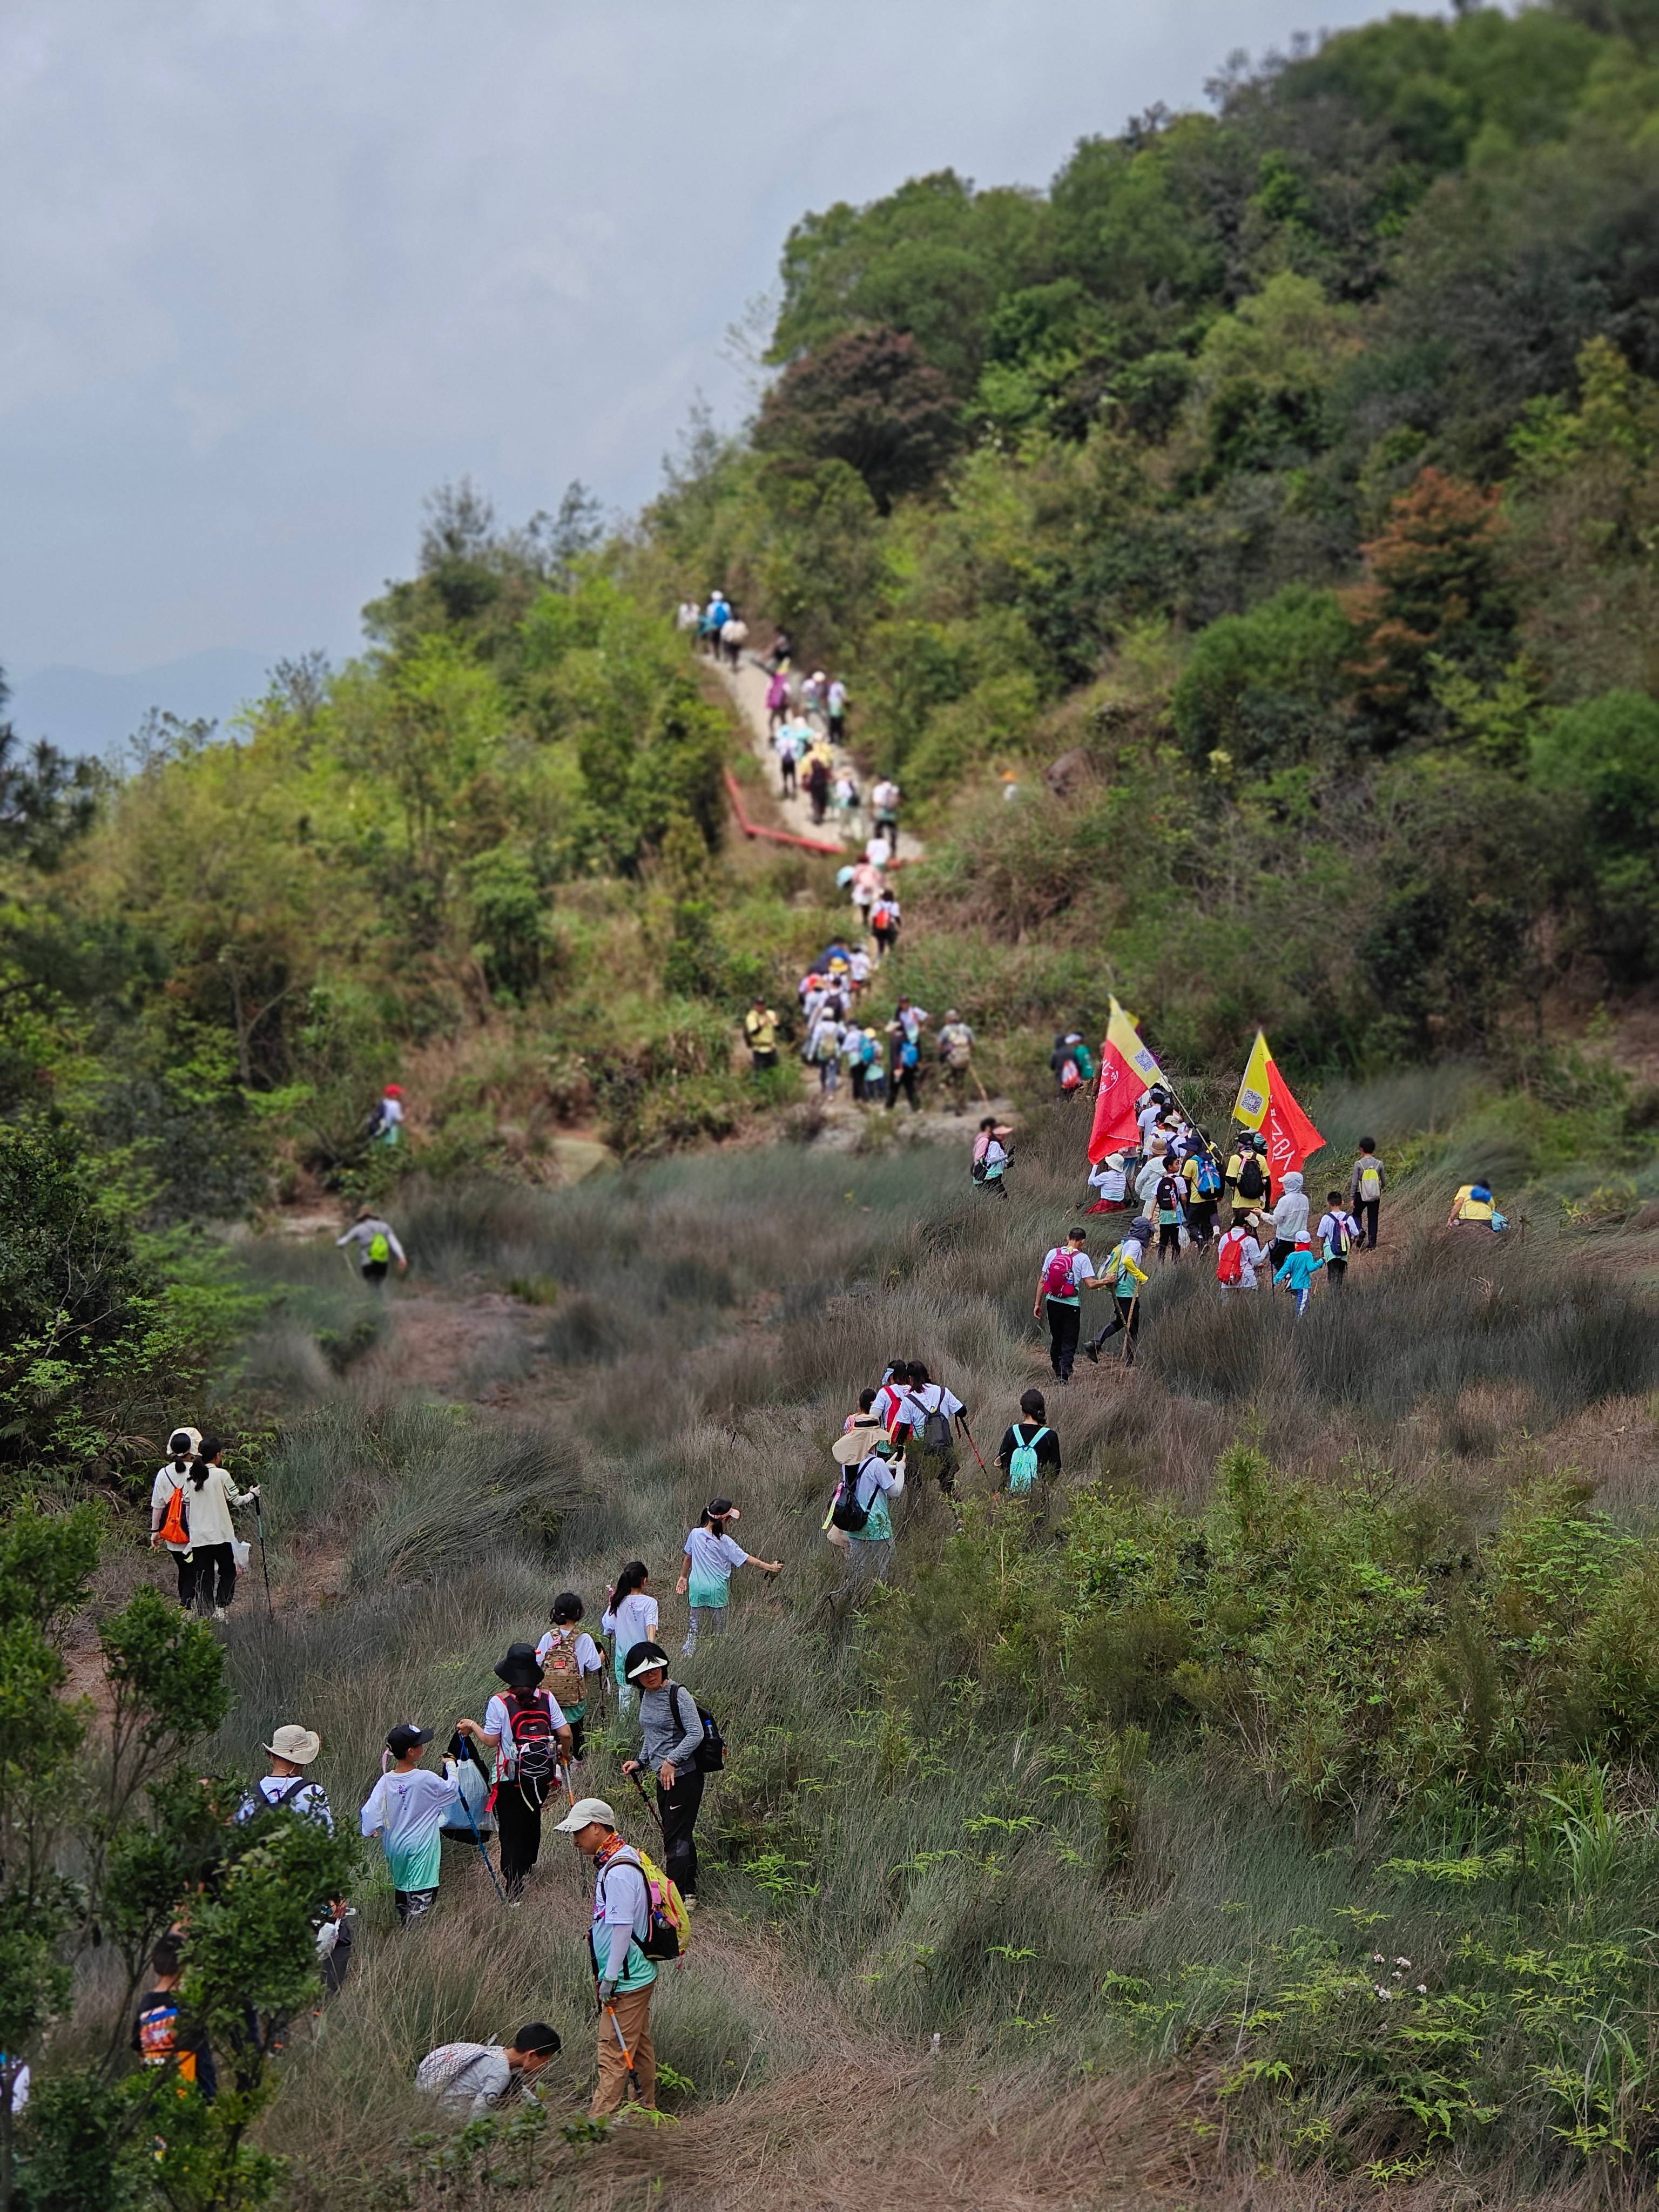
(82, 710)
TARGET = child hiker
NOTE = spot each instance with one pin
(570, 1656)
(1339, 1235)
(405, 1809)
(1297, 1271)
(711, 1553)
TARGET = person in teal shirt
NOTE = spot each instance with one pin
(711, 1556)
(1297, 1271)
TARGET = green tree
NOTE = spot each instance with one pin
(869, 398)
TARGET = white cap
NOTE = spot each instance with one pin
(583, 1815)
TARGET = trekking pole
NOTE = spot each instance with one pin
(264, 1564)
(477, 1839)
(627, 2056)
(978, 1455)
(654, 1814)
(1130, 1332)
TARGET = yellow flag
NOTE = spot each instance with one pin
(1253, 1092)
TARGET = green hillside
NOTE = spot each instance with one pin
(1244, 553)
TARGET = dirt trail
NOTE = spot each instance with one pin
(747, 685)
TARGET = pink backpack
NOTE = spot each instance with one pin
(1058, 1281)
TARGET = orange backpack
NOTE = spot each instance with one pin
(175, 1524)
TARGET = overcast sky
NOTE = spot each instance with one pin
(271, 269)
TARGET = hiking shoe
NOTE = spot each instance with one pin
(1089, 1352)
(688, 1902)
(220, 1613)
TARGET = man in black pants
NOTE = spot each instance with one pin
(671, 1737)
(531, 1737)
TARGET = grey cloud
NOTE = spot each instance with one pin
(273, 267)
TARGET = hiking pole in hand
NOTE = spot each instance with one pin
(627, 2056)
(477, 1839)
(655, 1815)
(978, 1455)
(264, 1564)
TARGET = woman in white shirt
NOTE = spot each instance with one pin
(170, 1480)
(210, 1493)
(1111, 1180)
(630, 1618)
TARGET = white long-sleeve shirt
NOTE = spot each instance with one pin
(209, 1508)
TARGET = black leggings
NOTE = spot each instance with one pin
(215, 1574)
(185, 1563)
(1168, 1240)
(1126, 1316)
(677, 1809)
(519, 1825)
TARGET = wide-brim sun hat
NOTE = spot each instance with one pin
(856, 1444)
(520, 1669)
(299, 1746)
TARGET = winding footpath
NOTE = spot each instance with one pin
(747, 685)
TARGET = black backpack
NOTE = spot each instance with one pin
(935, 1436)
(710, 1755)
(846, 1513)
(533, 1738)
(1251, 1181)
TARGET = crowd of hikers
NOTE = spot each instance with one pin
(839, 1034)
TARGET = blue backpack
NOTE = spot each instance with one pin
(1209, 1176)
(909, 1055)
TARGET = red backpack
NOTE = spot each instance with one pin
(532, 1729)
(1070, 1075)
(1058, 1281)
(1229, 1259)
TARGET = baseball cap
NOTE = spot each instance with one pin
(404, 1738)
(583, 1814)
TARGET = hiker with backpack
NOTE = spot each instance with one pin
(1029, 1453)
(956, 1052)
(625, 1974)
(1201, 1173)
(387, 1119)
(904, 1054)
(1126, 1279)
(1240, 1253)
(526, 1730)
(991, 1158)
(169, 1520)
(1170, 1211)
(1474, 1202)
(1339, 1235)
(760, 1033)
(859, 1520)
(711, 1556)
(672, 1740)
(1295, 1273)
(377, 1243)
(289, 1785)
(1365, 1187)
(1246, 1180)
(885, 921)
(290, 1788)
(885, 800)
(405, 1809)
(207, 1495)
(1290, 1219)
(479, 2078)
(1067, 1059)
(567, 1657)
(1065, 1270)
(927, 1420)
(630, 1617)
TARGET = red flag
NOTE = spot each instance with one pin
(1126, 1069)
(1266, 1102)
